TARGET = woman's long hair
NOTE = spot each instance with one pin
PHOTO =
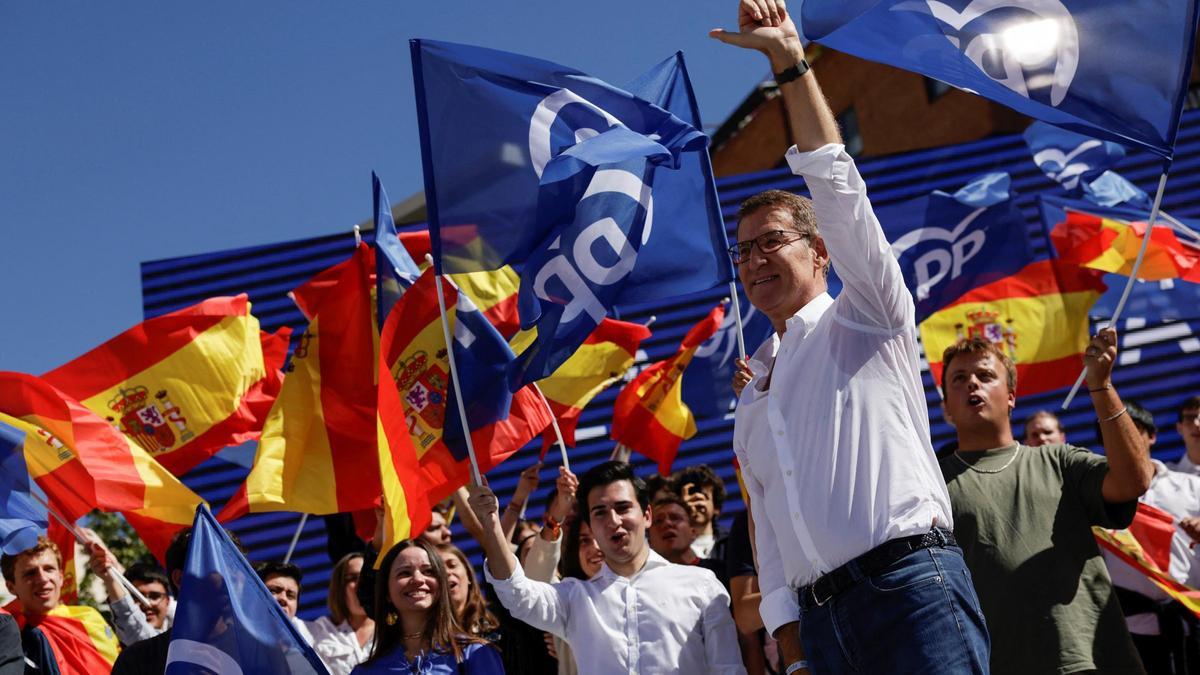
(476, 618)
(440, 628)
(568, 563)
(339, 610)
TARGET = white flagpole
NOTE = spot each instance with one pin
(295, 538)
(476, 476)
(620, 453)
(357, 236)
(1137, 265)
(562, 446)
(737, 313)
(137, 595)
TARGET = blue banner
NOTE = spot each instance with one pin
(1150, 301)
(597, 195)
(1081, 165)
(948, 244)
(227, 622)
(1116, 69)
(395, 269)
(708, 385)
(22, 518)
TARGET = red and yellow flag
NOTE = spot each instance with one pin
(183, 385)
(1038, 315)
(317, 451)
(649, 415)
(82, 462)
(1112, 245)
(1145, 547)
(599, 362)
(83, 643)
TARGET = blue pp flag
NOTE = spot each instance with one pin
(1149, 301)
(1116, 69)
(708, 387)
(948, 244)
(226, 621)
(395, 269)
(597, 195)
(1081, 165)
(22, 518)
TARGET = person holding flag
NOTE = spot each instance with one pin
(858, 567)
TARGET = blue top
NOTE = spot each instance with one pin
(478, 659)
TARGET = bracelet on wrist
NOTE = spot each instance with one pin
(516, 506)
(1104, 388)
(788, 74)
(797, 666)
(1122, 411)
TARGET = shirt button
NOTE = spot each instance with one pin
(778, 432)
(789, 472)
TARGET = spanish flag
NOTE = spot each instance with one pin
(317, 451)
(183, 385)
(82, 642)
(1112, 245)
(82, 462)
(1146, 547)
(1039, 316)
(649, 415)
(599, 362)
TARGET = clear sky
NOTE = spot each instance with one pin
(140, 130)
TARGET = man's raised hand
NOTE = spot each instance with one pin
(765, 26)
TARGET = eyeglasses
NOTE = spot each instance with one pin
(154, 596)
(767, 242)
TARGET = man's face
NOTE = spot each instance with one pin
(1044, 430)
(156, 593)
(438, 532)
(617, 520)
(977, 393)
(778, 284)
(671, 532)
(286, 592)
(38, 584)
(1189, 429)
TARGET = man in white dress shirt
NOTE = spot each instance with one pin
(640, 613)
(1188, 427)
(857, 564)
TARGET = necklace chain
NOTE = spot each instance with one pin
(978, 470)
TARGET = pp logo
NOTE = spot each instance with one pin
(933, 266)
(1061, 166)
(724, 341)
(578, 268)
(1005, 50)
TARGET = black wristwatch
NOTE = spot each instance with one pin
(789, 74)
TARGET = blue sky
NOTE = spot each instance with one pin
(140, 130)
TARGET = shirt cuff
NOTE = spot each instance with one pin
(517, 577)
(817, 163)
(779, 607)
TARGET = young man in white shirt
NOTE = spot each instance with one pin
(640, 613)
(857, 564)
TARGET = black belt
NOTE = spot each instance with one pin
(877, 559)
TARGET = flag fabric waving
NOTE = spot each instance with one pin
(605, 195)
(599, 362)
(226, 621)
(81, 462)
(78, 638)
(948, 244)
(649, 415)
(708, 389)
(183, 385)
(317, 454)
(1113, 69)
(22, 518)
(1107, 239)
(1070, 159)
(1039, 316)
(1146, 547)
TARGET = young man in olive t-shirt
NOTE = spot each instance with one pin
(1023, 516)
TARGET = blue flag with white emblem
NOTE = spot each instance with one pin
(395, 269)
(597, 195)
(1115, 69)
(1081, 165)
(708, 387)
(227, 621)
(948, 244)
(22, 518)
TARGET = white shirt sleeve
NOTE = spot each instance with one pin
(537, 603)
(542, 560)
(779, 605)
(860, 252)
(721, 650)
(130, 621)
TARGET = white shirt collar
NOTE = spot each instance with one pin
(805, 319)
(652, 561)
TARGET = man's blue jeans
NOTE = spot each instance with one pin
(920, 615)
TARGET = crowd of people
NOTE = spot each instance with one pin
(861, 549)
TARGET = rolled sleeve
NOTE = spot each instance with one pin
(779, 608)
(543, 558)
(537, 603)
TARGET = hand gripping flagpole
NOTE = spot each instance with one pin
(476, 476)
(1137, 265)
(112, 571)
